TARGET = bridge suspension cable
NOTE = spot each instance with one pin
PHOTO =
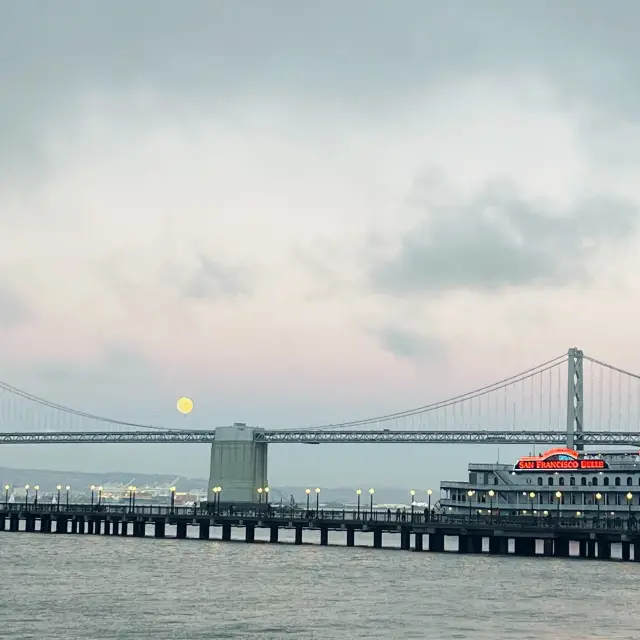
(529, 374)
(74, 412)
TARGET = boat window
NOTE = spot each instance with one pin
(617, 482)
(561, 481)
(629, 481)
(583, 481)
(539, 480)
(572, 481)
(605, 482)
(550, 481)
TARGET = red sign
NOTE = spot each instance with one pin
(559, 460)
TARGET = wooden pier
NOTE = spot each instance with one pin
(418, 532)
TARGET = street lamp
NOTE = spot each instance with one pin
(429, 492)
(36, 488)
(358, 493)
(260, 495)
(371, 492)
(218, 492)
(173, 497)
(469, 494)
(132, 497)
(93, 488)
(492, 493)
(598, 498)
(59, 488)
(308, 492)
(532, 497)
(6, 494)
(317, 500)
(558, 497)
(26, 494)
(99, 495)
(630, 501)
(412, 493)
(266, 495)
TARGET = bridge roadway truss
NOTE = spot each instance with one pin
(593, 438)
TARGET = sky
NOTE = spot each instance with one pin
(300, 213)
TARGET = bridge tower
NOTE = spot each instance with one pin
(238, 464)
(575, 400)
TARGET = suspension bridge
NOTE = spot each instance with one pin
(572, 399)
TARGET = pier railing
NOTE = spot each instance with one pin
(333, 517)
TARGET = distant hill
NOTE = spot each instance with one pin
(48, 479)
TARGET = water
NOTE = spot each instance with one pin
(80, 587)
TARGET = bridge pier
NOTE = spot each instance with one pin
(498, 545)
(324, 536)
(3, 521)
(604, 549)
(238, 464)
(561, 547)
(405, 538)
(97, 527)
(469, 544)
(124, 528)
(61, 525)
(524, 546)
(159, 528)
(45, 524)
(298, 538)
(30, 524)
(249, 533)
(351, 537)
(377, 538)
(626, 551)
(226, 532)
(418, 541)
(547, 547)
(181, 530)
(14, 522)
(107, 528)
(89, 527)
(436, 542)
(204, 530)
(273, 534)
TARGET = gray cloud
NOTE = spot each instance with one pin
(212, 281)
(409, 344)
(374, 55)
(499, 239)
(13, 309)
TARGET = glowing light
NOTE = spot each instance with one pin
(184, 405)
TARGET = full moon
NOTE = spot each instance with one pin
(184, 405)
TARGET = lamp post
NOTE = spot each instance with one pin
(532, 497)
(317, 500)
(6, 494)
(308, 492)
(36, 488)
(470, 494)
(26, 495)
(218, 492)
(260, 495)
(598, 498)
(266, 495)
(371, 492)
(429, 492)
(629, 501)
(67, 489)
(412, 493)
(172, 490)
(132, 497)
(93, 488)
(358, 493)
(558, 498)
(99, 495)
(59, 488)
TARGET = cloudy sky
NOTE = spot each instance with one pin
(300, 212)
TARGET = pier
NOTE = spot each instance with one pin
(421, 532)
